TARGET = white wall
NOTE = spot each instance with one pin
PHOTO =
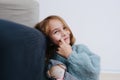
(95, 23)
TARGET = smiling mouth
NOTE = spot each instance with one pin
(66, 38)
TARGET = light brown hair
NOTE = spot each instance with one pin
(43, 26)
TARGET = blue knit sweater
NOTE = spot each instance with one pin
(82, 63)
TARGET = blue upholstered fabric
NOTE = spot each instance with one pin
(22, 52)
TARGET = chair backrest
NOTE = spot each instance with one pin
(22, 52)
(25, 12)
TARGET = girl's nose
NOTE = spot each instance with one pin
(64, 33)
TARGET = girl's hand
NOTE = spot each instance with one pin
(64, 49)
(57, 72)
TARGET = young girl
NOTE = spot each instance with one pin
(79, 60)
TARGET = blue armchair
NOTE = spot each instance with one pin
(22, 52)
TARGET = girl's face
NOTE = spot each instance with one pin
(58, 32)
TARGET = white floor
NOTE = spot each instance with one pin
(110, 76)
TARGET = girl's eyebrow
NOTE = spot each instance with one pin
(54, 29)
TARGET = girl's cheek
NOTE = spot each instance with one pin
(55, 39)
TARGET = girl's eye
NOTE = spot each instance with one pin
(55, 32)
(65, 28)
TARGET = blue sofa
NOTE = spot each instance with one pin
(22, 52)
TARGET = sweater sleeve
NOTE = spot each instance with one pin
(84, 60)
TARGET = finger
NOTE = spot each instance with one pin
(62, 66)
(48, 72)
(58, 50)
(62, 41)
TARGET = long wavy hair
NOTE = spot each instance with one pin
(43, 26)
